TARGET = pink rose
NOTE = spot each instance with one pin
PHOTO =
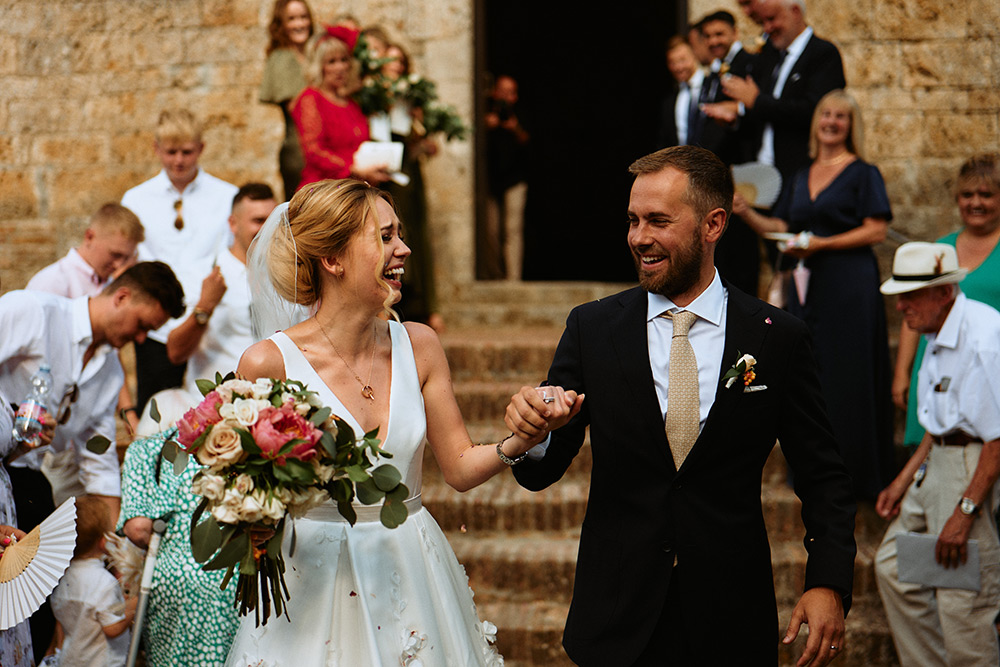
(277, 426)
(197, 419)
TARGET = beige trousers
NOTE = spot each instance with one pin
(942, 626)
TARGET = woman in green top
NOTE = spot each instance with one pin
(290, 29)
(977, 194)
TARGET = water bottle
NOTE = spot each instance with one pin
(28, 421)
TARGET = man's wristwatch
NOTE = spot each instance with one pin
(968, 507)
(201, 316)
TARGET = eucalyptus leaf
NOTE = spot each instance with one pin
(231, 375)
(170, 450)
(301, 472)
(206, 538)
(274, 544)
(180, 463)
(231, 553)
(357, 474)
(328, 444)
(154, 411)
(247, 442)
(98, 444)
(394, 512)
(347, 511)
(248, 564)
(345, 435)
(205, 386)
(218, 378)
(368, 493)
(320, 416)
(341, 490)
(386, 477)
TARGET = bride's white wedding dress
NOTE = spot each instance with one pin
(369, 596)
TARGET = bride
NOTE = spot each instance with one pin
(367, 595)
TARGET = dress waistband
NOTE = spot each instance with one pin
(955, 439)
(366, 513)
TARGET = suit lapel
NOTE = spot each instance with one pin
(631, 348)
(746, 329)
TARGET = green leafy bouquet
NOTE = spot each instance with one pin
(270, 450)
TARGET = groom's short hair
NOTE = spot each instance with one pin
(710, 183)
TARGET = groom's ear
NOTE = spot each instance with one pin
(332, 266)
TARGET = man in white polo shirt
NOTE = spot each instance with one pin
(948, 487)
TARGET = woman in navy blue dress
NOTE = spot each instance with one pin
(841, 201)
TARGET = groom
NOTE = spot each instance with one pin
(674, 566)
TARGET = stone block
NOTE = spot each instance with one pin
(894, 133)
(983, 19)
(161, 47)
(919, 19)
(228, 12)
(13, 150)
(950, 63)
(838, 21)
(70, 149)
(8, 54)
(79, 191)
(17, 192)
(45, 57)
(868, 63)
(957, 135)
(236, 74)
(139, 17)
(24, 19)
(132, 148)
(75, 18)
(222, 44)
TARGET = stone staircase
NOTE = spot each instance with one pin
(519, 548)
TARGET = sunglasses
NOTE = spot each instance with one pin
(179, 222)
(65, 405)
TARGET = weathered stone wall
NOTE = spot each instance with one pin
(81, 85)
(926, 74)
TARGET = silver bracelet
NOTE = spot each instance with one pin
(506, 459)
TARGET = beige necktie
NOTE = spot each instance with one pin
(683, 407)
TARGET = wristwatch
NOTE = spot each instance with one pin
(201, 316)
(968, 507)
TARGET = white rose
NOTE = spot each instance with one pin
(748, 358)
(312, 398)
(241, 387)
(271, 507)
(244, 411)
(222, 447)
(208, 485)
(243, 484)
(251, 509)
(323, 473)
(302, 409)
(261, 389)
(286, 397)
(225, 514)
(300, 502)
(284, 494)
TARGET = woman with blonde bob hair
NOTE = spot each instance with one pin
(330, 124)
(840, 201)
(366, 595)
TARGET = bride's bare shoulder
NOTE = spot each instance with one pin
(262, 360)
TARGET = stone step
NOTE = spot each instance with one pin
(521, 355)
(522, 567)
(500, 305)
(530, 635)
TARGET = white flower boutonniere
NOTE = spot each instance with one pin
(743, 368)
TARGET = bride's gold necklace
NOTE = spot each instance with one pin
(366, 387)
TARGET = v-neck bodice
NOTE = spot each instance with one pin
(404, 434)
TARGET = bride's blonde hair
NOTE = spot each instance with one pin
(323, 218)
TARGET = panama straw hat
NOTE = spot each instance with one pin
(918, 265)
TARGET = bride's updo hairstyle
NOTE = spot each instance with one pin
(323, 218)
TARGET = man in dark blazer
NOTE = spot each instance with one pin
(674, 566)
(680, 118)
(779, 99)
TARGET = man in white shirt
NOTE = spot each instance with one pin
(109, 243)
(184, 211)
(681, 118)
(77, 338)
(948, 487)
(217, 331)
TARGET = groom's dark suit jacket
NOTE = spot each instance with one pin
(642, 512)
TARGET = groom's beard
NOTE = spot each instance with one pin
(682, 272)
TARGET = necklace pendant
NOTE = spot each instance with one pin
(367, 392)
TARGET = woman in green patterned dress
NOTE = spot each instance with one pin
(190, 621)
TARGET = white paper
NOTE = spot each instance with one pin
(916, 563)
(388, 154)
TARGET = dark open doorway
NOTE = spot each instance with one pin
(590, 88)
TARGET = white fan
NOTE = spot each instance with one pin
(759, 183)
(30, 568)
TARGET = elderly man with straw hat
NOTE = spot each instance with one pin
(947, 488)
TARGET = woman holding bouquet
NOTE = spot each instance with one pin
(330, 124)
(367, 595)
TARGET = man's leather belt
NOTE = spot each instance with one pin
(955, 439)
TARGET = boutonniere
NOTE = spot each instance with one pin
(743, 368)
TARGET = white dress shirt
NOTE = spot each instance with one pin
(707, 336)
(37, 327)
(87, 600)
(794, 50)
(690, 88)
(206, 204)
(228, 333)
(70, 277)
(959, 379)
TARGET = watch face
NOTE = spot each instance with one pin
(967, 506)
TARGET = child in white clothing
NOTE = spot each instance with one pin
(88, 603)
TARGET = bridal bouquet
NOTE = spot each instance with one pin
(270, 450)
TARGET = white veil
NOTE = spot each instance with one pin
(269, 312)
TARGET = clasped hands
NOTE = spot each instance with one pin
(741, 91)
(952, 548)
(535, 411)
